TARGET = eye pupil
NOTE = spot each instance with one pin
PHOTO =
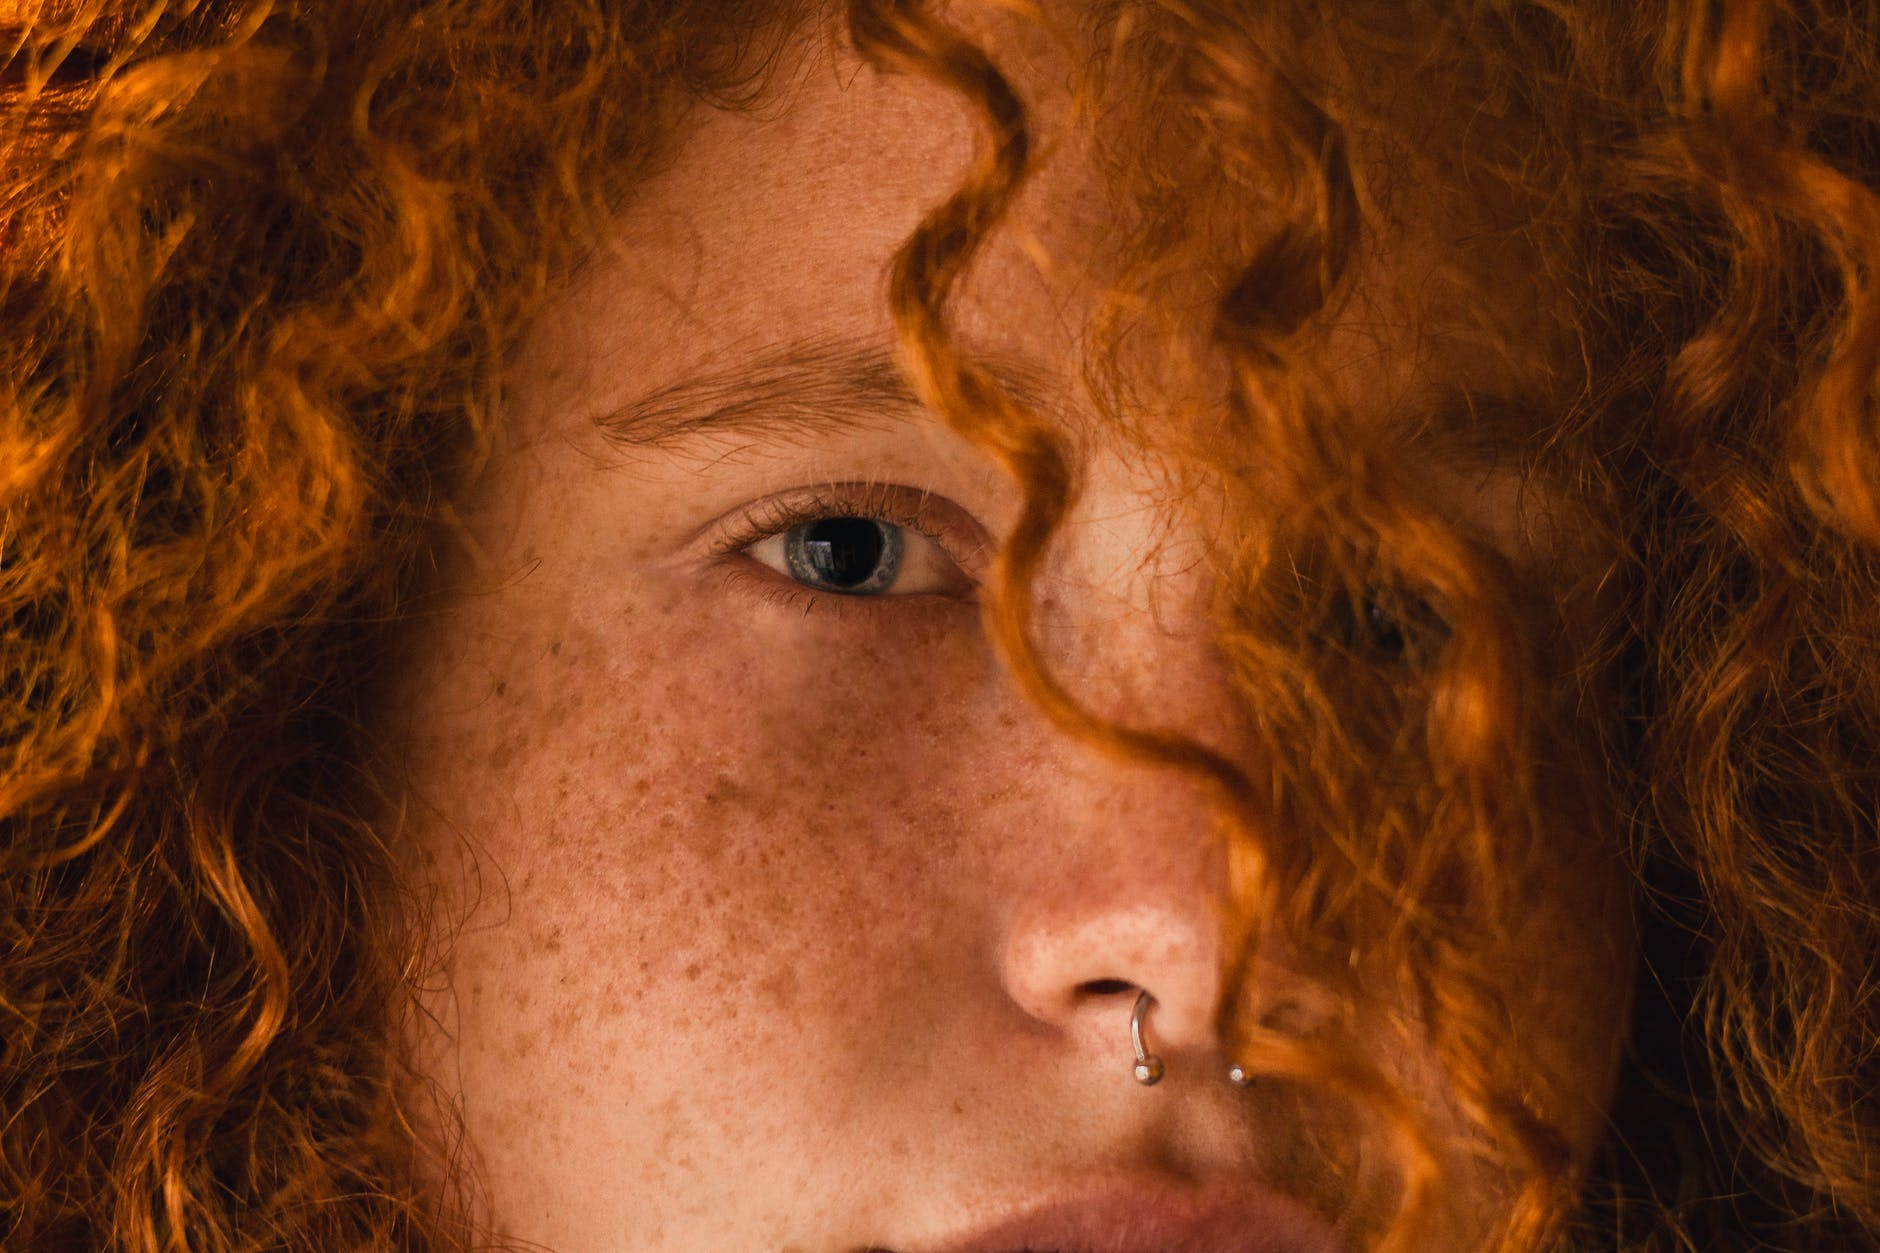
(1385, 631)
(844, 554)
(843, 551)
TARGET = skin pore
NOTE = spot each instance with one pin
(784, 921)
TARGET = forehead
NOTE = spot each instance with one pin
(775, 226)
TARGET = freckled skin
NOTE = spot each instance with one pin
(776, 926)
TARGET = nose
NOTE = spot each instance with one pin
(1119, 870)
(1129, 899)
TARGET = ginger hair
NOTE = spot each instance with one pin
(261, 265)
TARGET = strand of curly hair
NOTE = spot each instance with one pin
(260, 265)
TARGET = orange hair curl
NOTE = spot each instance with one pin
(261, 263)
(1694, 187)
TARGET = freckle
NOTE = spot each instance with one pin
(552, 942)
(693, 971)
(725, 790)
(554, 650)
(781, 988)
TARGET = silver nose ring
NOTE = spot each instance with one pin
(1148, 1065)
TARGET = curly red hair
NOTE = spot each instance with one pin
(261, 265)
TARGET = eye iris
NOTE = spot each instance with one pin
(1387, 634)
(845, 554)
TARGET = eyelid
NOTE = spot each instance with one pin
(958, 535)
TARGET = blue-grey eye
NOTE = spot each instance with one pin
(846, 555)
(1390, 625)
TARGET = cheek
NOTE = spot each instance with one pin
(1571, 972)
(691, 829)
(1558, 982)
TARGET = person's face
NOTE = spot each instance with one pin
(791, 925)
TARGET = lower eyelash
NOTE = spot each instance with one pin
(767, 587)
(772, 589)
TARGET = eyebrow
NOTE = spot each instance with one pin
(818, 386)
(831, 385)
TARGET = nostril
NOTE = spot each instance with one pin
(1105, 987)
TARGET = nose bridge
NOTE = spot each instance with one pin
(1123, 616)
(1121, 878)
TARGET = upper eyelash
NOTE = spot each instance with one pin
(873, 499)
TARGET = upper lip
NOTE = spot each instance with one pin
(1139, 1217)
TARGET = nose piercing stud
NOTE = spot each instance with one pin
(1148, 1065)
